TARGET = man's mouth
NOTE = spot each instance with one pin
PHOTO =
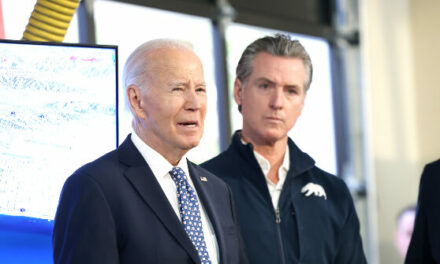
(189, 124)
(274, 118)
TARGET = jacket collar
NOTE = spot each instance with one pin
(299, 161)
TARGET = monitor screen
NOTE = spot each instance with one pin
(58, 111)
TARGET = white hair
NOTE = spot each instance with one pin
(136, 64)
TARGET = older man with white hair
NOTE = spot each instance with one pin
(145, 202)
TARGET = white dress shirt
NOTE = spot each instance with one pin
(274, 189)
(161, 168)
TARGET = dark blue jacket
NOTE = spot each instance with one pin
(425, 241)
(114, 211)
(304, 229)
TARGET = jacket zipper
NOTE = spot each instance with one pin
(280, 241)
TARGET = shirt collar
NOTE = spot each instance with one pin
(265, 165)
(157, 163)
(286, 162)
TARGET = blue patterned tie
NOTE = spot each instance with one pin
(190, 213)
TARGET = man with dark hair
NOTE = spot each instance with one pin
(289, 210)
(425, 241)
(144, 202)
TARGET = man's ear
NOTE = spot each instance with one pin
(238, 91)
(134, 100)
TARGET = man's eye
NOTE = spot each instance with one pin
(177, 89)
(264, 85)
(291, 91)
(201, 90)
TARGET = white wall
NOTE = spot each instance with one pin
(425, 16)
(400, 49)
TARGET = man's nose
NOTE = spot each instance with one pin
(192, 100)
(277, 98)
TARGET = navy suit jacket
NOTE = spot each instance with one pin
(425, 241)
(113, 210)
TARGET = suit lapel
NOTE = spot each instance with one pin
(144, 182)
(205, 190)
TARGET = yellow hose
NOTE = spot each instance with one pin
(50, 20)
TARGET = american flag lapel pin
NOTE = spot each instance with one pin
(203, 179)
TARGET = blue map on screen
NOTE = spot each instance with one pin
(57, 112)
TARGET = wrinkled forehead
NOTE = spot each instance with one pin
(174, 65)
(281, 68)
(171, 57)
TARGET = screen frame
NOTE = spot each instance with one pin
(30, 219)
(82, 45)
(31, 234)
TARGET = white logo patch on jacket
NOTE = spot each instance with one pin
(315, 189)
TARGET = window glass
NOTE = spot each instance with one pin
(128, 26)
(314, 130)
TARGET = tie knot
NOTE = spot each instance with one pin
(177, 174)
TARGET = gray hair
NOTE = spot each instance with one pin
(279, 45)
(136, 66)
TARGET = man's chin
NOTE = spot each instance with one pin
(191, 146)
(190, 143)
(274, 136)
